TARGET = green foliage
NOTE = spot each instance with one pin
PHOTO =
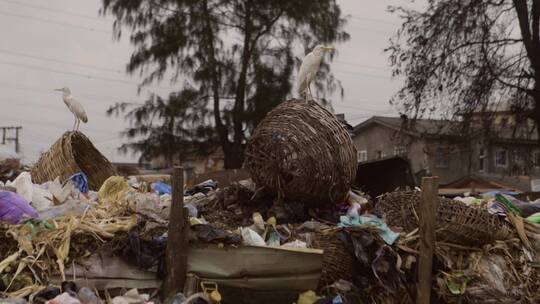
(169, 128)
(239, 56)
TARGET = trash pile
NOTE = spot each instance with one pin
(80, 235)
(368, 257)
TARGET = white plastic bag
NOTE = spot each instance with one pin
(41, 198)
(251, 237)
(24, 186)
(295, 244)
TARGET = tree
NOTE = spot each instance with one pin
(238, 55)
(459, 57)
(182, 128)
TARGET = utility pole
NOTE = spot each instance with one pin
(14, 138)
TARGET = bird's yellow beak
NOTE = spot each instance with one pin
(329, 48)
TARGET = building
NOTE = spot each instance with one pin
(509, 154)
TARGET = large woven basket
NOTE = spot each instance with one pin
(338, 262)
(302, 152)
(456, 222)
(73, 153)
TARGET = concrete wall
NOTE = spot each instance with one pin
(456, 155)
(421, 152)
(463, 158)
(377, 138)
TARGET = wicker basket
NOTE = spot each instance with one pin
(73, 153)
(302, 152)
(338, 262)
(456, 222)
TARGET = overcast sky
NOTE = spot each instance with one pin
(49, 44)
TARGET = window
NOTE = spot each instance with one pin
(441, 158)
(400, 150)
(536, 159)
(379, 154)
(501, 158)
(481, 160)
(362, 156)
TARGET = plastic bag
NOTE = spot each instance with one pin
(64, 298)
(41, 198)
(113, 188)
(161, 188)
(295, 244)
(87, 296)
(131, 297)
(308, 297)
(59, 192)
(71, 207)
(80, 181)
(14, 208)
(354, 210)
(251, 237)
(535, 218)
(273, 239)
(24, 186)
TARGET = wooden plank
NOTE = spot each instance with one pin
(427, 227)
(177, 242)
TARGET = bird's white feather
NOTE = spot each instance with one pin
(76, 108)
(308, 71)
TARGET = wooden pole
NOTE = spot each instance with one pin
(17, 146)
(427, 227)
(177, 242)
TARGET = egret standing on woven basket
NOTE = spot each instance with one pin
(74, 106)
(309, 68)
(301, 151)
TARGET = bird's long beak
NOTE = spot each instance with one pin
(58, 89)
(329, 48)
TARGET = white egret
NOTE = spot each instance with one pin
(74, 106)
(309, 68)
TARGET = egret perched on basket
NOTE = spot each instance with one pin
(74, 106)
(309, 68)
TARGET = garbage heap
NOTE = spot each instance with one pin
(345, 247)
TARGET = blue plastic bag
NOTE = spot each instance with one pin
(80, 181)
(161, 188)
(385, 232)
(14, 208)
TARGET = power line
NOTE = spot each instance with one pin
(70, 25)
(55, 10)
(363, 65)
(39, 68)
(357, 17)
(362, 74)
(50, 125)
(50, 91)
(57, 107)
(354, 107)
(26, 55)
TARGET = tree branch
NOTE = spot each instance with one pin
(523, 18)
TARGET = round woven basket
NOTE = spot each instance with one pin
(338, 263)
(72, 153)
(456, 222)
(302, 152)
